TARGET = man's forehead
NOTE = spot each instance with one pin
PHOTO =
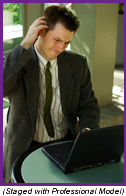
(59, 26)
(61, 39)
(61, 33)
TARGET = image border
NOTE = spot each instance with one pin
(1, 106)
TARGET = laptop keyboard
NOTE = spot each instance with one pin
(61, 157)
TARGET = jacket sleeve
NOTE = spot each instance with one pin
(89, 110)
(15, 60)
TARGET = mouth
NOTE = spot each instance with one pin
(56, 51)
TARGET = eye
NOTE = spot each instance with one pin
(56, 40)
(67, 43)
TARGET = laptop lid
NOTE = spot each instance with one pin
(91, 148)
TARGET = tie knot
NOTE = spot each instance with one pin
(48, 64)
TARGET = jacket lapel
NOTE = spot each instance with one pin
(31, 79)
(66, 81)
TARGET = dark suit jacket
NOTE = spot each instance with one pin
(21, 86)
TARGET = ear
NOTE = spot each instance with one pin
(41, 32)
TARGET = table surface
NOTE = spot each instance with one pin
(37, 168)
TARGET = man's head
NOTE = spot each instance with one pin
(63, 23)
(63, 15)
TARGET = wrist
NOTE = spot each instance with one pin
(86, 129)
(25, 44)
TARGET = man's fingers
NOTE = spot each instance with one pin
(39, 21)
(42, 17)
(41, 28)
(34, 31)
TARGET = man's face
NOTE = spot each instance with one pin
(54, 42)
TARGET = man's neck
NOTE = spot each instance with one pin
(37, 45)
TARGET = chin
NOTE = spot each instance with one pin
(52, 57)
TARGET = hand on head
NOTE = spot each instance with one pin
(35, 30)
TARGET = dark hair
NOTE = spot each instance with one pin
(62, 14)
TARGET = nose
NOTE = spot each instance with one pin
(61, 46)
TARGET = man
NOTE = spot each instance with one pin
(41, 59)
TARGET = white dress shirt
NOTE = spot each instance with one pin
(58, 119)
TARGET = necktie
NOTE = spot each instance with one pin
(47, 114)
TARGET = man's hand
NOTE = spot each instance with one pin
(86, 129)
(34, 31)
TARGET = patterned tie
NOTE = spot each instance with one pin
(47, 114)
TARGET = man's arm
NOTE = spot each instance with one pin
(14, 62)
(89, 110)
(19, 56)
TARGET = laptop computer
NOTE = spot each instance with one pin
(90, 149)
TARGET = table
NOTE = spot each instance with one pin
(37, 168)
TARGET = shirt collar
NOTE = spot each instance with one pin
(44, 61)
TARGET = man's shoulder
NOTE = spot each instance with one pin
(70, 53)
(74, 57)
